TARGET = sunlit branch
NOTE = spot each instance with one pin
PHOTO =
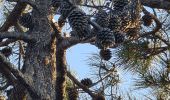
(57, 30)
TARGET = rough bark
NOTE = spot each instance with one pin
(39, 60)
(40, 57)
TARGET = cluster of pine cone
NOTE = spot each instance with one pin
(111, 24)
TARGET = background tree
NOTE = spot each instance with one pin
(137, 38)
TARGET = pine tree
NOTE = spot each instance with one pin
(130, 38)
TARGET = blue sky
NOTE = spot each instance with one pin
(77, 57)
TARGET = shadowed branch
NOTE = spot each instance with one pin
(13, 17)
(80, 85)
(71, 41)
(15, 75)
(31, 3)
(160, 4)
(16, 35)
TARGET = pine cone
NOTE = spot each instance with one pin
(119, 37)
(26, 20)
(6, 51)
(87, 82)
(105, 38)
(120, 4)
(124, 18)
(102, 18)
(114, 23)
(55, 3)
(79, 23)
(99, 97)
(65, 9)
(105, 54)
(73, 34)
(147, 20)
(72, 94)
(125, 23)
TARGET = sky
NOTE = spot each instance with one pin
(77, 57)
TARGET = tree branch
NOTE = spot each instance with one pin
(158, 23)
(5, 43)
(68, 42)
(31, 3)
(80, 85)
(104, 77)
(4, 87)
(17, 35)
(71, 41)
(8, 69)
(163, 40)
(13, 17)
(156, 51)
(57, 30)
(160, 4)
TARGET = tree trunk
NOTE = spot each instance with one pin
(40, 58)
